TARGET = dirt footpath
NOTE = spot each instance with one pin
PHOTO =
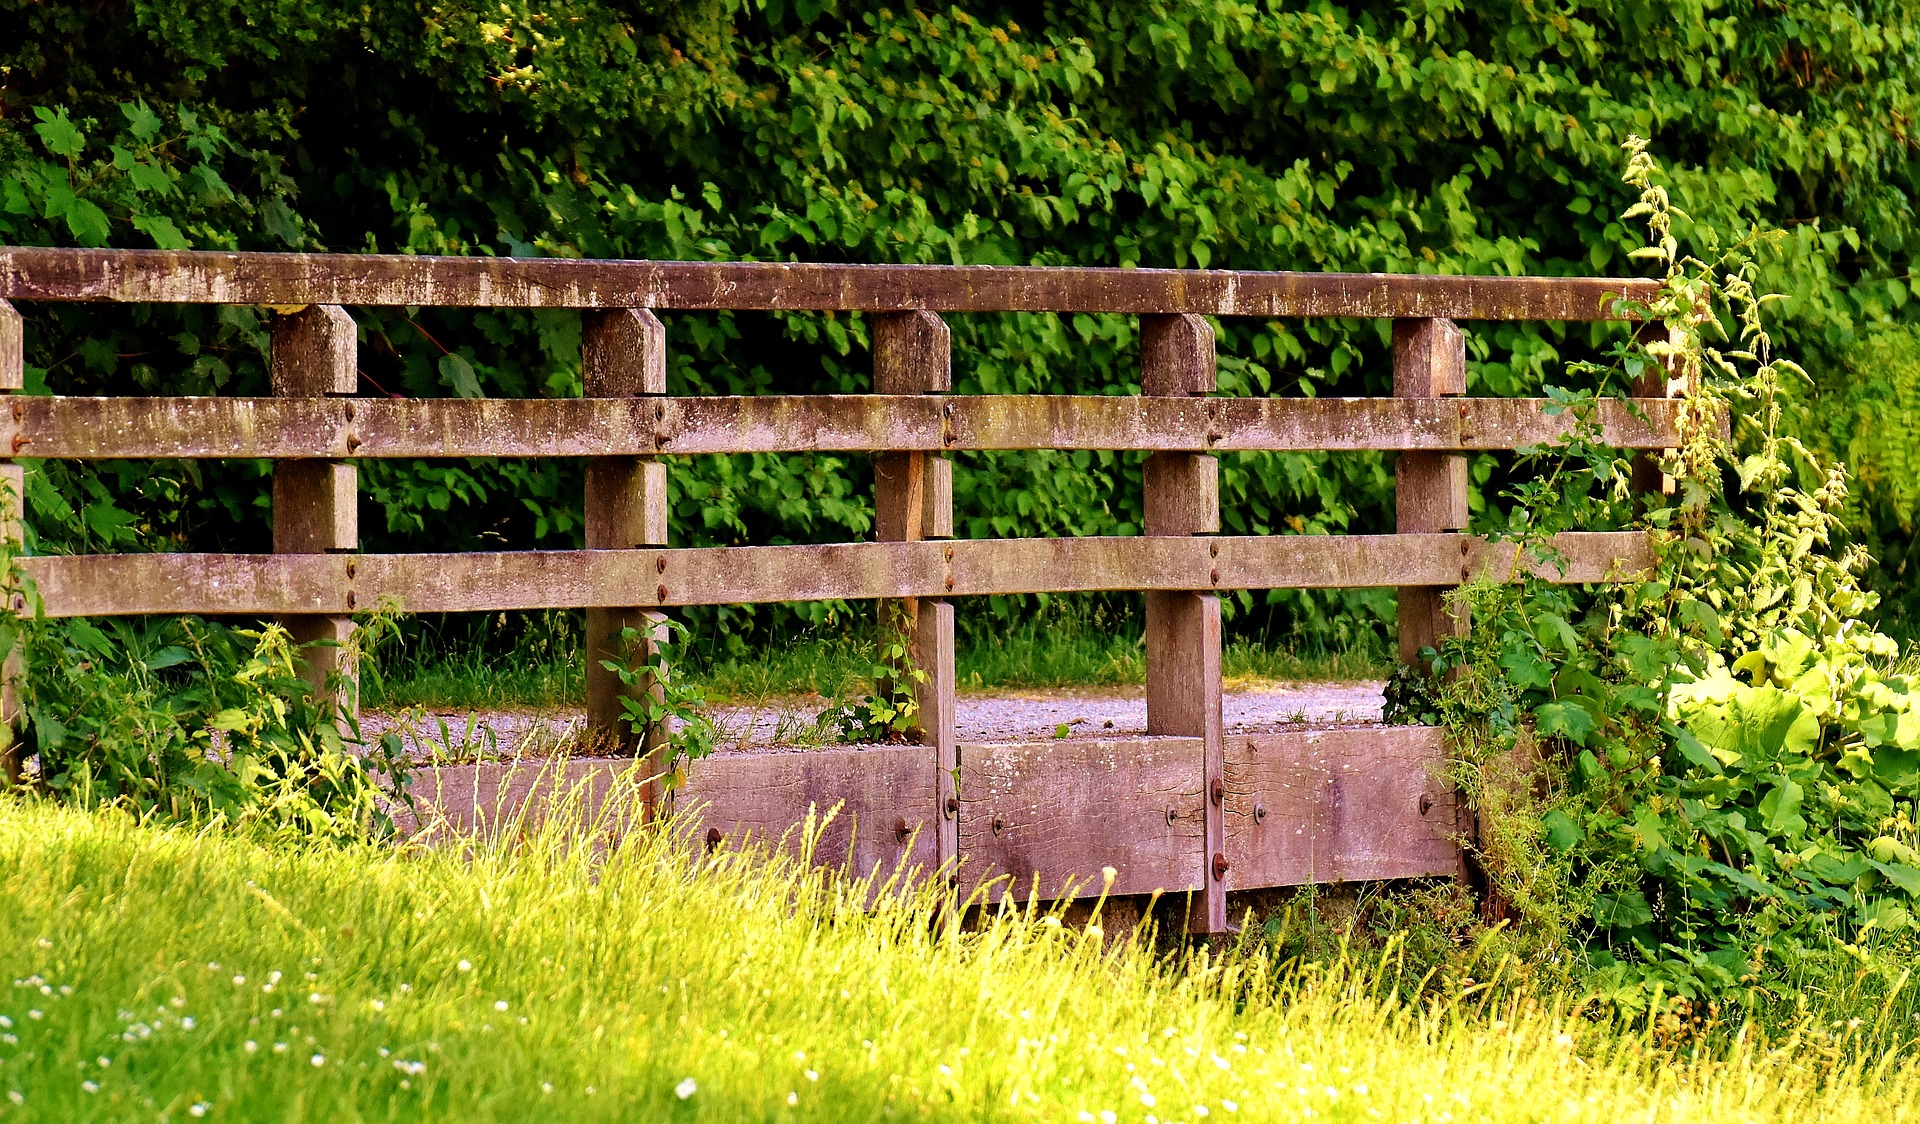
(1001, 716)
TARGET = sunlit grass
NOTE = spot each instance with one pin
(165, 974)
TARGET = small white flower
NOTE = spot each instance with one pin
(946, 1071)
(10, 1039)
(177, 1002)
(279, 1047)
(44, 943)
(1147, 1099)
(377, 1005)
(239, 981)
(589, 1090)
(1200, 1110)
(6, 1022)
(1106, 1116)
(405, 988)
(250, 1045)
(46, 989)
(187, 1023)
(16, 1096)
(315, 998)
(35, 1014)
(103, 1061)
(685, 1089)
(1085, 1117)
(499, 1004)
(1230, 1106)
(812, 1075)
(199, 1108)
(273, 977)
(67, 989)
(465, 965)
(546, 1086)
(793, 1098)
(318, 1060)
(90, 1086)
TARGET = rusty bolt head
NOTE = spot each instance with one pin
(353, 442)
(901, 831)
(660, 564)
(1213, 550)
(949, 554)
(20, 443)
(999, 825)
(1219, 866)
(659, 411)
(949, 585)
(350, 599)
(350, 568)
(660, 594)
(1173, 814)
(1218, 792)
(1259, 813)
(953, 806)
(1426, 803)
(1215, 577)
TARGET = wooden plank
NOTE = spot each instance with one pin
(1182, 497)
(316, 502)
(212, 277)
(126, 584)
(624, 356)
(1053, 814)
(1339, 805)
(13, 356)
(913, 502)
(1430, 489)
(885, 822)
(132, 428)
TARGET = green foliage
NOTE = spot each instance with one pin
(891, 712)
(664, 705)
(1732, 762)
(1358, 136)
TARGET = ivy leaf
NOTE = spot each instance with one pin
(1562, 833)
(1780, 809)
(457, 373)
(61, 136)
(1565, 719)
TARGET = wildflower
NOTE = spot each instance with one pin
(187, 1023)
(318, 1060)
(1147, 1099)
(250, 1046)
(103, 1061)
(405, 988)
(199, 1108)
(273, 977)
(275, 1012)
(10, 1039)
(314, 999)
(1221, 1062)
(1084, 1117)
(239, 981)
(1563, 1040)
(1230, 1106)
(67, 989)
(6, 1022)
(1200, 1110)
(177, 1002)
(16, 1096)
(946, 1071)
(812, 1076)
(1360, 1089)
(376, 1005)
(589, 1090)
(465, 965)
(44, 943)
(685, 1089)
(90, 1086)
(499, 1004)
(546, 1086)
(36, 1014)
(1106, 1116)
(279, 1047)
(793, 1098)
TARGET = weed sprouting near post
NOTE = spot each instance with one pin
(663, 707)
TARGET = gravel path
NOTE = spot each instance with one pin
(1008, 716)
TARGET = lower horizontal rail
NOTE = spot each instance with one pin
(134, 584)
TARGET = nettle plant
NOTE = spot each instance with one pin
(1703, 783)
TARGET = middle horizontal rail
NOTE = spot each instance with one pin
(141, 428)
(133, 584)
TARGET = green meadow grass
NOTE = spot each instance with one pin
(566, 974)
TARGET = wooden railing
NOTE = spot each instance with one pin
(1181, 810)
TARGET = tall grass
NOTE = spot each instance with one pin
(565, 973)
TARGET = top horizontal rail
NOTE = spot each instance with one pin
(206, 277)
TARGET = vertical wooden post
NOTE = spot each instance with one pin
(13, 358)
(913, 501)
(624, 355)
(316, 502)
(1183, 629)
(1429, 361)
(1658, 380)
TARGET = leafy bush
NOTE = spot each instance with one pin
(1355, 136)
(1732, 760)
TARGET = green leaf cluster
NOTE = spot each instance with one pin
(1320, 136)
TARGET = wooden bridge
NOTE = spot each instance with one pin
(1186, 809)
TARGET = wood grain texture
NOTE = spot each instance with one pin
(316, 503)
(115, 585)
(13, 348)
(1430, 489)
(209, 277)
(1339, 805)
(1066, 809)
(201, 428)
(623, 355)
(933, 653)
(884, 817)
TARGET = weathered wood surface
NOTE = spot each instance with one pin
(12, 508)
(1060, 811)
(123, 584)
(882, 800)
(1430, 489)
(1309, 806)
(132, 428)
(1340, 805)
(209, 277)
(316, 503)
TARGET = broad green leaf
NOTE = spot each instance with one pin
(88, 223)
(459, 375)
(59, 134)
(1564, 719)
(1562, 833)
(165, 235)
(1780, 809)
